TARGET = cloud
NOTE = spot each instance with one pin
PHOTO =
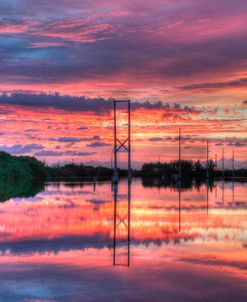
(126, 45)
(74, 139)
(48, 153)
(156, 139)
(62, 153)
(78, 153)
(217, 85)
(238, 144)
(32, 130)
(68, 103)
(98, 144)
(219, 144)
(21, 149)
(82, 128)
(95, 105)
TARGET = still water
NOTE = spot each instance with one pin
(80, 242)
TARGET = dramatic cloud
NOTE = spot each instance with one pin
(182, 64)
(84, 104)
(125, 48)
(68, 103)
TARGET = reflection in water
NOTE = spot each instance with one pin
(186, 244)
(121, 241)
(74, 210)
(19, 188)
(223, 191)
(179, 206)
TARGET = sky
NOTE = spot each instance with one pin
(182, 63)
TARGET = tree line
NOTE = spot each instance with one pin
(26, 167)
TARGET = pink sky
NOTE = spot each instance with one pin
(190, 55)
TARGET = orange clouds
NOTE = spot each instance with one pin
(82, 131)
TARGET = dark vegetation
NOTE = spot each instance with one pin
(20, 176)
(15, 168)
(81, 171)
(21, 188)
(24, 176)
(170, 171)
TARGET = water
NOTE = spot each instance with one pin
(72, 242)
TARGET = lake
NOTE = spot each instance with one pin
(77, 241)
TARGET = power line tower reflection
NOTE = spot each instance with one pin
(121, 240)
(179, 205)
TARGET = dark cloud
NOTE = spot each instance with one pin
(98, 144)
(82, 128)
(79, 40)
(238, 144)
(65, 153)
(57, 101)
(74, 139)
(96, 105)
(217, 85)
(32, 130)
(64, 243)
(21, 149)
(48, 153)
(156, 139)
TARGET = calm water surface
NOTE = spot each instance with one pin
(77, 242)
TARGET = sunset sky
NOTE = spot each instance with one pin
(182, 63)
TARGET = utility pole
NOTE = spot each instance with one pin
(223, 163)
(115, 175)
(119, 145)
(207, 199)
(179, 176)
(179, 154)
(179, 207)
(233, 163)
(207, 161)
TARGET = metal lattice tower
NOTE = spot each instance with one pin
(125, 144)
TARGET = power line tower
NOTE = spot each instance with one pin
(179, 154)
(122, 145)
(233, 163)
(223, 163)
(207, 161)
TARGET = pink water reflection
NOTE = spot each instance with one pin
(192, 251)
